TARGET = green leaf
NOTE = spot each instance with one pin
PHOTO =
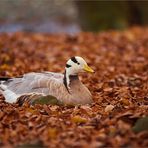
(47, 100)
(141, 125)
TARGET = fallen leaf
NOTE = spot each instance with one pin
(109, 108)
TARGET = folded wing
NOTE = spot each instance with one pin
(31, 84)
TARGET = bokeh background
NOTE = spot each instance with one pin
(70, 16)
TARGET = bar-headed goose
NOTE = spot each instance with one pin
(67, 87)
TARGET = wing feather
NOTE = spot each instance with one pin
(39, 83)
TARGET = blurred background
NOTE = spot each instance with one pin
(70, 16)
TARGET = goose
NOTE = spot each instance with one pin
(66, 88)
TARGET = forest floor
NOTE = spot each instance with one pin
(119, 87)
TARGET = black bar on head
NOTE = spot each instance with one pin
(74, 60)
(67, 65)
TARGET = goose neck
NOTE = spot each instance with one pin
(68, 79)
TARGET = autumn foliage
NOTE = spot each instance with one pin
(119, 88)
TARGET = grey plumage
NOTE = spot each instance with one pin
(44, 84)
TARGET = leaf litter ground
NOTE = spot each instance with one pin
(119, 87)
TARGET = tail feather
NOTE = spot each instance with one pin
(2, 81)
(4, 78)
(8, 94)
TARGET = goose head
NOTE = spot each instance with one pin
(76, 65)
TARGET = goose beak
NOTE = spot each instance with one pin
(88, 69)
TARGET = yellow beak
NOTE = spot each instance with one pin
(88, 69)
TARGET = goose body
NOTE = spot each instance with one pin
(67, 87)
